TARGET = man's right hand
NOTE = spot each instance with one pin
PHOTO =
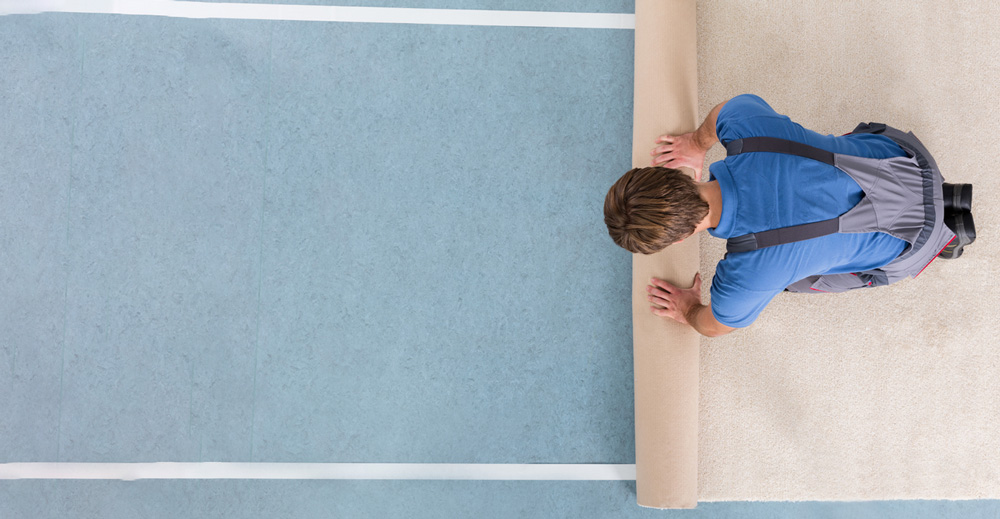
(676, 151)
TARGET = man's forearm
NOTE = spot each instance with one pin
(705, 134)
(701, 319)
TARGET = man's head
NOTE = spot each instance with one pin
(650, 208)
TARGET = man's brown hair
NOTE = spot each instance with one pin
(650, 208)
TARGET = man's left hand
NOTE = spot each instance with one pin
(673, 302)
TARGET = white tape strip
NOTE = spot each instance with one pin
(450, 471)
(324, 13)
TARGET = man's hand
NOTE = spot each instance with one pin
(689, 149)
(675, 151)
(684, 305)
(673, 302)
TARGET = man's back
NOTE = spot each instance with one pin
(763, 191)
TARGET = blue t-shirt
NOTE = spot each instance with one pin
(763, 191)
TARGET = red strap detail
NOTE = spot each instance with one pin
(818, 290)
(935, 257)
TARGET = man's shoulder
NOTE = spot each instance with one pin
(762, 270)
(743, 285)
(749, 115)
(747, 105)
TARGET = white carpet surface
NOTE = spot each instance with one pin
(889, 393)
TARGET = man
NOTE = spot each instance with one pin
(756, 190)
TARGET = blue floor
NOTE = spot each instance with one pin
(226, 240)
(417, 500)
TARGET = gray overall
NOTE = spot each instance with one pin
(902, 197)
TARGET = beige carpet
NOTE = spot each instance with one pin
(888, 393)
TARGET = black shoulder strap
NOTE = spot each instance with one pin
(775, 145)
(760, 240)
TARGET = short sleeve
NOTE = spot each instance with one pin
(732, 304)
(746, 116)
